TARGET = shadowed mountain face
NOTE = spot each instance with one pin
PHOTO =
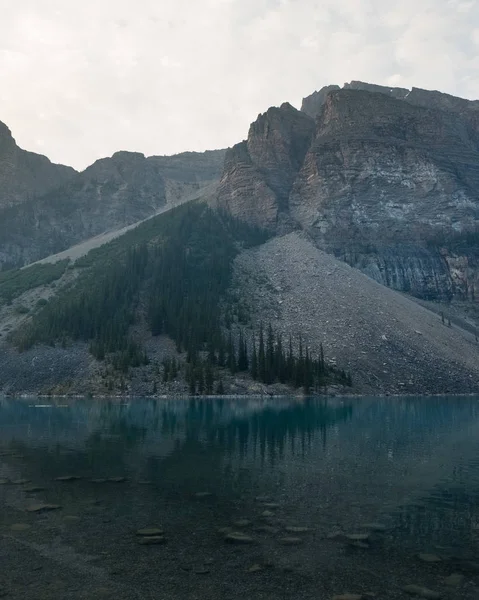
(389, 183)
(25, 175)
(53, 207)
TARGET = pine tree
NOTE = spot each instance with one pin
(221, 353)
(242, 355)
(270, 375)
(261, 356)
(200, 378)
(220, 390)
(232, 365)
(254, 361)
(209, 378)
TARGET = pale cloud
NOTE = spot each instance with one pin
(82, 80)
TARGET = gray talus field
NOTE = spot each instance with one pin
(388, 341)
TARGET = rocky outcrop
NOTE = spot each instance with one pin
(390, 184)
(313, 104)
(259, 172)
(26, 175)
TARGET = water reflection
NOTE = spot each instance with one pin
(331, 465)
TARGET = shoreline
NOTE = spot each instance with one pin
(26, 396)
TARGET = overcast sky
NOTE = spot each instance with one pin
(82, 79)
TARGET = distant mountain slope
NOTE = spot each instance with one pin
(389, 182)
(26, 175)
(110, 194)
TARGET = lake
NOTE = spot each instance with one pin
(249, 498)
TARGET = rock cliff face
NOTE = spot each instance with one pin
(24, 174)
(389, 183)
(110, 194)
(259, 172)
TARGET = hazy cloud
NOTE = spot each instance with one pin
(82, 80)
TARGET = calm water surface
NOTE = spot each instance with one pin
(402, 475)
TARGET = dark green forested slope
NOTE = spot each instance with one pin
(173, 271)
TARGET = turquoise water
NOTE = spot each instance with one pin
(193, 468)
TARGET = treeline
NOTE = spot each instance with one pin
(172, 272)
(177, 266)
(16, 282)
(267, 361)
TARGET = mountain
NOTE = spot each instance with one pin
(389, 182)
(26, 175)
(257, 296)
(66, 207)
(259, 173)
(195, 300)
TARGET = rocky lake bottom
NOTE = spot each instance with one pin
(216, 498)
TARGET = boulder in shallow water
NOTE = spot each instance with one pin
(291, 541)
(454, 580)
(242, 523)
(20, 527)
(422, 592)
(150, 531)
(38, 508)
(358, 537)
(294, 529)
(33, 488)
(152, 540)
(201, 495)
(429, 558)
(237, 537)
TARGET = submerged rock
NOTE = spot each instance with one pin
(224, 530)
(33, 488)
(237, 537)
(66, 478)
(267, 514)
(153, 540)
(255, 569)
(117, 479)
(294, 529)
(291, 541)
(20, 527)
(201, 495)
(242, 523)
(20, 481)
(429, 558)
(358, 537)
(37, 508)
(150, 531)
(454, 580)
(422, 592)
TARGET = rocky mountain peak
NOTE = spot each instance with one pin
(313, 104)
(24, 175)
(258, 173)
(387, 177)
